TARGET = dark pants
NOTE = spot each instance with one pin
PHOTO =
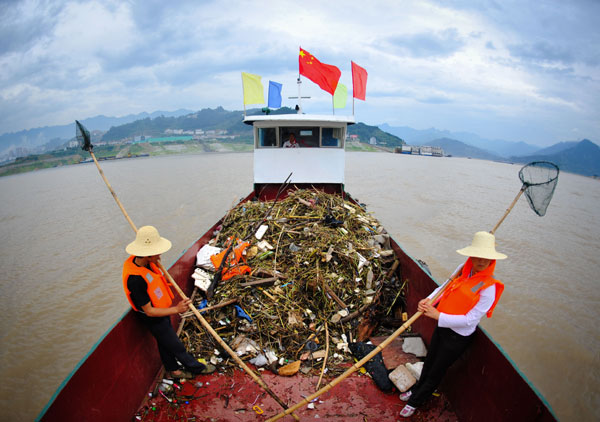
(446, 346)
(171, 349)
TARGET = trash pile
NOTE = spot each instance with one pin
(300, 279)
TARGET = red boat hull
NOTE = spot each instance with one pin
(113, 381)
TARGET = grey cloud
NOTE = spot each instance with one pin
(149, 14)
(545, 52)
(182, 48)
(194, 43)
(435, 100)
(40, 72)
(19, 31)
(550, 30)
(439, 44)
(189, 66)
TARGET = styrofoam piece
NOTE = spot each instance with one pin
(415, 369)
(263, 245)
(415, 346)
(402, 378)
(204, 254)
(202, 279)
(261, 231)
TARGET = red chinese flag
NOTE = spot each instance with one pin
(324, 75)
(359, 82)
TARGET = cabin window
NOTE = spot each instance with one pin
(267, 137)
(304, 137)
(331, 137)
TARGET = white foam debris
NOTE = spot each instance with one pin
(402, 378)
(415, 346)
(415, 369)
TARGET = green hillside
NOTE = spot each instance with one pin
(366, 132)
(232, 122)
(206, 119)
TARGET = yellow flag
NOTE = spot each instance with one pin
(340, 96)
(253, 89)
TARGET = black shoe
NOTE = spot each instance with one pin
(178, 374)
(202, 369)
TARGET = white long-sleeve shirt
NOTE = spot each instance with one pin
(466, 324)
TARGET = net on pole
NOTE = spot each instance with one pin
(539, 179)
(83, 136)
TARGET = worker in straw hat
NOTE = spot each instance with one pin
(150, 296)
(471, 294)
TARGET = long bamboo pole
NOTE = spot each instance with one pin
(509, 209)
(191, 306)
(112, 191)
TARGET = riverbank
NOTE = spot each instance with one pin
(114, 152)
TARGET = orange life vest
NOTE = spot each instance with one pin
(464, 292)
(159, 291)
(232, 267)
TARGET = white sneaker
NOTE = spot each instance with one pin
(406, 395)
(407, 411)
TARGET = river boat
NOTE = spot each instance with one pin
(406, 149)
(118, 379)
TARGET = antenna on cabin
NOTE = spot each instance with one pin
(299, 97)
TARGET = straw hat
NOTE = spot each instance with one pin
(483, 246)
(148, 243)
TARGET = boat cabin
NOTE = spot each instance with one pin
(310, 147)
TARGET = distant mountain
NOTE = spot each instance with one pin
(366, 132)
(104, 123)
(155, 124)
(205, 119)
(460, 149)
(507, 148)
(579, 157)
(232, 121)
(424, 137)
(414, 136)
(556, 148)
(29, 141)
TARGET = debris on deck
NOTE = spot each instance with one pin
(295, 272)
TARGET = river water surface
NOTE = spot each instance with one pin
(63, 240)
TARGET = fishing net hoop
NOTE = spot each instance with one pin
(539, 180)
(83, 136)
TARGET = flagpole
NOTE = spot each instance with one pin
(243, 93)
(333, 104)
(299, 83)
(353, 101)
(299, 95)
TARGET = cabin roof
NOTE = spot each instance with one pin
(300, 118)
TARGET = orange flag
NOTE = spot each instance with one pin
(324, 75)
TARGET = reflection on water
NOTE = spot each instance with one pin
(63, 240)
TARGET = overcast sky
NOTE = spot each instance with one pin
(513, 70)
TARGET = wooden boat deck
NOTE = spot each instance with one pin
(232, 397)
